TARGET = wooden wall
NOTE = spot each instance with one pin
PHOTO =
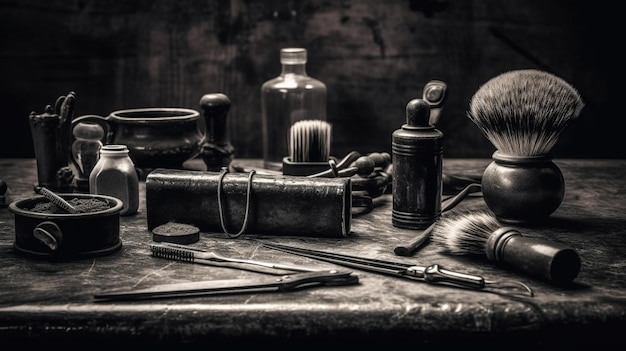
(374, 56)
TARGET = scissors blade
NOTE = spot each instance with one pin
(288, 282)
(371, 265)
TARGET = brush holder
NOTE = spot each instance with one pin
(522, 189)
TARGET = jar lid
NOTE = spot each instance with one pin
(178, 233)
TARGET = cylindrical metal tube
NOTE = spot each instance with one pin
(417, 156)
(279, 205)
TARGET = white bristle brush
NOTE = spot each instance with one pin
(523, 112)
(479, 233)
(309, 141)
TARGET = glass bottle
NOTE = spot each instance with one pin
(114, 175)
(292, 96)
(85, 151)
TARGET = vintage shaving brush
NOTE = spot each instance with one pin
(309, 148)
(523, 113)
(480, 234)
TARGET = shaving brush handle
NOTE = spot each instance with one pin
(551, 261)
(520, 189)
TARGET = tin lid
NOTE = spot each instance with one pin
(177, 233)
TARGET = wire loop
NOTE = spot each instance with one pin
(244, 226)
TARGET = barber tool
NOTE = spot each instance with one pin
(285, 283)
(435, 93)
(417, 153)
(433, 274)
(309, 148)
(453, 183)
(51, 141)
(57, 200)
(188, 254)
(480, 234)
(215, 149)
(422, 237)
(223, 202)
(523, 113)
(354, 163)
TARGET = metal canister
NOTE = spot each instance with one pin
(417, 157)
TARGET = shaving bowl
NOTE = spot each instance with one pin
(155, 137)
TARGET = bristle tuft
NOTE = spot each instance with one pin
(172, 253)
(524, 112)
(465, 233)
(309, 141)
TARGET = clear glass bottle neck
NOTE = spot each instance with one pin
(297, 69)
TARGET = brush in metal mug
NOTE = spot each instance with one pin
(523, 113)
(480, 234)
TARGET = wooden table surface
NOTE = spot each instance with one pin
(43, 303)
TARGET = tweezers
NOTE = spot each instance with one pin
(285, 283)
(433, 274)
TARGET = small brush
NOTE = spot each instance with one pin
(58, 200)
(309, 141)
(480, 234)
(182, 253)
(309, 148)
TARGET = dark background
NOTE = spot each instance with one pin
(374, 56)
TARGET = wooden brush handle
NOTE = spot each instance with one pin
(541, 258)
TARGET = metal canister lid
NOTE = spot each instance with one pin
(177, 233)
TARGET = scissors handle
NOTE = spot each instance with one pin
(435, 274)
(284, 283)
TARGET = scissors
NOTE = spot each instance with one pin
(433, 274)
(284, 283)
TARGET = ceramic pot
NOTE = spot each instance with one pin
(155, 137)
(66, 235)
(520, 189)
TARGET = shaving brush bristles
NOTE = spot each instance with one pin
(523, 112)
(309, 141)
(465, 233)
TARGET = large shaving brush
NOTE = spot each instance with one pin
(480, 234)
(523, 113)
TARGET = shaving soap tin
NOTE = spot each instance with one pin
(60, 235)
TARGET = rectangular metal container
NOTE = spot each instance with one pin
(279, 205)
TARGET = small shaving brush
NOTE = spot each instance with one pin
(523, 113)
(309, 147)
(480, 234)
